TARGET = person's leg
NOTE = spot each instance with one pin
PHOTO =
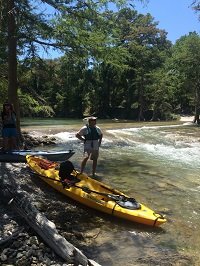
(94, 157)
(13, 143)
(5, 136)
(84, 161)
(94, 166)
(5, 144)
(13, 138)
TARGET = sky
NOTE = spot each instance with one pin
(176, 17)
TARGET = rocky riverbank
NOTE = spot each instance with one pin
(19, 244)
(30, 141)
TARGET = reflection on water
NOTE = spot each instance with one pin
(159, 165)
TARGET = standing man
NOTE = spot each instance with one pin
(91, 135)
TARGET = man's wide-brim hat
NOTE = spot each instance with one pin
(92, 118)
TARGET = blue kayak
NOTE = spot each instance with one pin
(19, 156)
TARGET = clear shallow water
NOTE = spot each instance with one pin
(159, 165)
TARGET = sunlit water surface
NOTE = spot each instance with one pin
(159, 165)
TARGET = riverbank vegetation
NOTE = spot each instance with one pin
(114, 63)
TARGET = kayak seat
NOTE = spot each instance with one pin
(70, 180)
(65, 173)
(44, 164)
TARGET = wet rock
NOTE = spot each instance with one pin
(3, 257)
(34, 240)
(29, 141)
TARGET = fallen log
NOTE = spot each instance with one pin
(46, 229)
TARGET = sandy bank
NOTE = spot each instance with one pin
(187, 118)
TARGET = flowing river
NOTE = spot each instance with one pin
(159, 165)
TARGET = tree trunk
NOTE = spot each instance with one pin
(197, 107)
(141, 102)
(12, 61)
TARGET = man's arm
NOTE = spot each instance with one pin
(80, 137)
(100, 139)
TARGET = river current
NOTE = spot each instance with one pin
(159, 165)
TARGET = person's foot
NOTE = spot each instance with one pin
(96, 177)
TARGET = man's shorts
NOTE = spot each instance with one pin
(92, 154)
(9, 132)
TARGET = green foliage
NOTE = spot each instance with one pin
(31, 107)
(114, 64)
(3, 90)
(111, 59)
(185, 66)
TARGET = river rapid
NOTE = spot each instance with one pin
(156, 163)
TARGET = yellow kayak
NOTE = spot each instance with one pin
(94, 194)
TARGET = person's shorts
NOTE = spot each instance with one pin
(92, 154)
(9, 132)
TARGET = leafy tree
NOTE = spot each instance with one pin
(185, 63)
(147, 48)
(22, 28)
(27, 27)
(93, 46)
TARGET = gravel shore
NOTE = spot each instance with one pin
(19, 244)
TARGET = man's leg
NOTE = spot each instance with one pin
(94, 156)
(84, 161)
(94, 166)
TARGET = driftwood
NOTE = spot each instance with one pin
(20, 202)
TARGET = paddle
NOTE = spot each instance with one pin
(114, 197)
(111, 196)
(86, 189)
(121, 200)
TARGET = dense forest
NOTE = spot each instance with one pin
(114, 63)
